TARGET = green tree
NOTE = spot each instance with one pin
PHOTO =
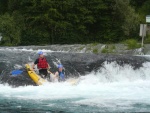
(144, 10)
(130, 20)
(10, 30)
(70, 21)
(3, 6)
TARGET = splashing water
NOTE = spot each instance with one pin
(112, 88)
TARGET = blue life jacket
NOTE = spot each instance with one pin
(61, 75)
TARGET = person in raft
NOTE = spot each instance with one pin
(42, 65)
(60, 74)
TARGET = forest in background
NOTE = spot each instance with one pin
(41, 22)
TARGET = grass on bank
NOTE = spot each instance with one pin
(108, 49)
(95, 51)
(132, 44)
(147, 39)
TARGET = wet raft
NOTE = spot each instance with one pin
(40, 81)
(35, 77)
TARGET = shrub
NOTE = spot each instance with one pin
(112, 48)
(109, 49)
(147, 39)
(132, 44)
(104, 50)
(94, 44)
(95, 51)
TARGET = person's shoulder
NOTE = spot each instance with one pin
(36, 61)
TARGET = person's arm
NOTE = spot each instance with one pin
(32, 68)
(36, 62)
(48, 66)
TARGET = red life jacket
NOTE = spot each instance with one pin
(42, 63)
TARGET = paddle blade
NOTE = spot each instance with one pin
(16, 72)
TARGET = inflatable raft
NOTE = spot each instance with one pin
(40, 81)
(35, 77)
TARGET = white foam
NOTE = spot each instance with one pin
(24, 49)
(30, 50)
(124, 86)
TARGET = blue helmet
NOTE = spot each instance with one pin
(40, 52)
(60, 66)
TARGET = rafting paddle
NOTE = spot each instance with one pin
(16, 72)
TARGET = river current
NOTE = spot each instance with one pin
(113, 88)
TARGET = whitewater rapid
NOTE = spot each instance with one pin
(112, 88)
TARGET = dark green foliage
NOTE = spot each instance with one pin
(10, 29)
(147, 39)
(40, 22)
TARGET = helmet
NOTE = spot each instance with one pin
(40, 52)
(60, 66)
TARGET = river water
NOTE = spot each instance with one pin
(113, 88)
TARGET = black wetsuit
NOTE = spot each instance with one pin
(41, 71)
